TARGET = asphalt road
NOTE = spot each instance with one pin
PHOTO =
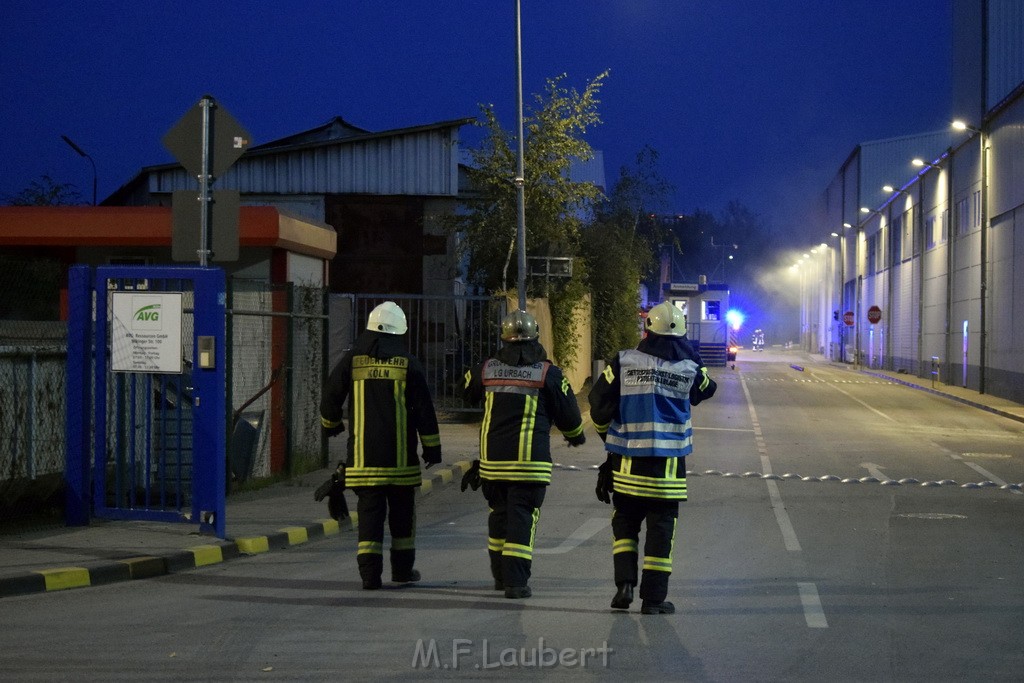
(783, 571)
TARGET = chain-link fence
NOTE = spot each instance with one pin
(277, 364)
(448, 334)
(32, 416)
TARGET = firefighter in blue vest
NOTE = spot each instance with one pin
(389, 405)
(641, 405)
(524, 394)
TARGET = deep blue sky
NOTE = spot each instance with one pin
(757, 101)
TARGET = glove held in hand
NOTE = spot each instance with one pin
(472, 476)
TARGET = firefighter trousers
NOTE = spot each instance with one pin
(511, 528)
(396, 504)
(660, 516)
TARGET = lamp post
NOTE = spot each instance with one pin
(841, 236)
(81, 152)
(983, 261)
(724, 258)
(520, 179)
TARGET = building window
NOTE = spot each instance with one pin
(712, 310)
(963, 217)
(896, 235)
(872, 253)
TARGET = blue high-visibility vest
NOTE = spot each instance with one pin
(654, 407)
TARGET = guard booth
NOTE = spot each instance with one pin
(146, 406)
(704, 305)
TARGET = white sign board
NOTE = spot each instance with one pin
(145, 332)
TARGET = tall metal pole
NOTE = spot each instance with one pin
(204, 185)
(520, 179)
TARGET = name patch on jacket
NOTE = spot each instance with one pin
(367, 367)
(497, 375)
(637, 376)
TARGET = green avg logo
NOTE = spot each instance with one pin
(148, 314)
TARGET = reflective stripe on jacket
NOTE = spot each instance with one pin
(520, 404)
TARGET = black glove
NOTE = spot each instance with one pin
(322, 490)
(472, 476)
(431, 455)
(577, 440)
(332, 431)
(604, 482)
(333, 486)
(336, 505)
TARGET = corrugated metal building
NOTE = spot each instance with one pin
(382, 192)
(942, 256)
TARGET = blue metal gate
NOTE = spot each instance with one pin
(146, 350)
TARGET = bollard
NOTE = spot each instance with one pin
(935, 370)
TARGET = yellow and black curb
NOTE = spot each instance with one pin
(145, 567)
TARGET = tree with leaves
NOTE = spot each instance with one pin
(556, 205)
(620, 248)
(45, 191)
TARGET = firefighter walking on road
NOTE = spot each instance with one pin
(389, 406)
(641, 409)
(524, 394)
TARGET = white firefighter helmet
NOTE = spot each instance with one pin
(388, 318)
(519, 326)
(666, 319)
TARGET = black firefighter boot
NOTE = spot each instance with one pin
(371, 566)
(401, 566)
(496, 571)
(623, 597)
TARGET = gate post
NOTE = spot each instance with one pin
(210, 402)
(79, 370)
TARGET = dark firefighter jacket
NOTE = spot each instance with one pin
(523, 394)
(641, 408)
(390, 404)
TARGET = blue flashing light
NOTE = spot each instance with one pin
(735, 318)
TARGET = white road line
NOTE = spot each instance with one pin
(854, 398)
(814, 614)
(781, 516)
(985, 473)
(582, 534)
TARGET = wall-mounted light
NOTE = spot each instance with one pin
(959, 124)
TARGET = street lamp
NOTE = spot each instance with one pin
(81, 152)
(983, 270)
(963, 125)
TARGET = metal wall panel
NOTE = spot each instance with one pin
(420, 164)
(1006, 163)
(1005, 49)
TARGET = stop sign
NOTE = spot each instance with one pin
(874, 314)
(848, 318)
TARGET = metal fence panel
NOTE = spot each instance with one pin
(448, 334)
(277, 361)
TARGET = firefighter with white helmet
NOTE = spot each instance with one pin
(641, 405)
(390, 413)
(524, 395)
